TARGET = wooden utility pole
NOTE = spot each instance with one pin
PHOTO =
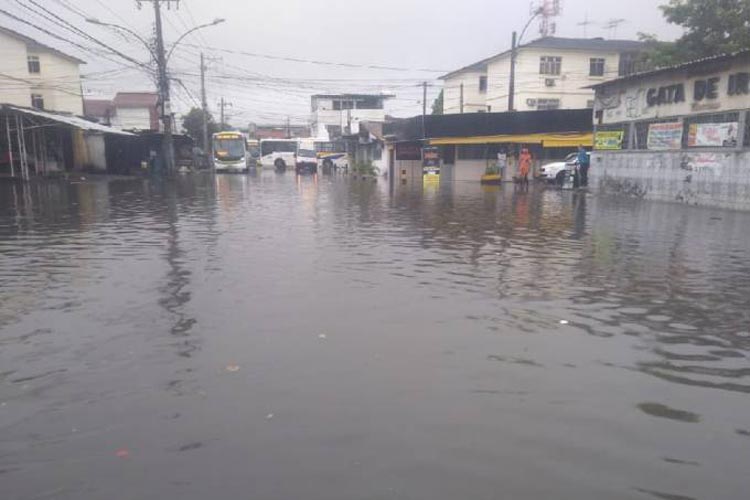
(204, 103)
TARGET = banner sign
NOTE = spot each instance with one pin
(408, 152)
(431, 161)
(719, 135)
(609, 140)
(665, 136)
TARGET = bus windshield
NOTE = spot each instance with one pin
(229, 149)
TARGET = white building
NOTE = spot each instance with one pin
(341, 114)
(35, 75)
(551, 73)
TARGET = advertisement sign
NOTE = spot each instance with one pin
(609, 140)
(431, 161)
(665, 136)
(719, 135)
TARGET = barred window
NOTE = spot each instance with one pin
(550, 65)
(596, 66)
(714, 130)
(618, 127)
(640, 140)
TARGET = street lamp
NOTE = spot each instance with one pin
(514, 56)
(207, 25)
(158, 53)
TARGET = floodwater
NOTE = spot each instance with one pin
(272, 338)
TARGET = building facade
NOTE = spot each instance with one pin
(34, 75)
(341, 114)
(551, 73)
(677, 134)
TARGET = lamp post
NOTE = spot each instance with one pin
(163, 79)
(514, 55)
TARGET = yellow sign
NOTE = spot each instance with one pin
(609, 140)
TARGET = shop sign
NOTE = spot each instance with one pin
(609, 140)
(665, 136)
(408, 152)
(713, 135)
(431, 161)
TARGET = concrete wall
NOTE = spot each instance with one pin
(474, 100)
(132, 118)
(59, 81)
(718, 178)
(13, 63)
(530, 84)
(97, 152)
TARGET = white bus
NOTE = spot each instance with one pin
(278, 153)
(229, 152)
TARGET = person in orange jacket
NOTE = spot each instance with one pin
(524, 167)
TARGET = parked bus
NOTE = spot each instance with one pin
(332, 155)
(278, 153)
(229, 152)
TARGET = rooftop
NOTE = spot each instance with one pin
(594, 44)
(38, 45)
(718, 59)
(136, 99)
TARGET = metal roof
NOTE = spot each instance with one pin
(595, 44)
(676, 67)
(69, 120)
(136, 100)
(34, 43)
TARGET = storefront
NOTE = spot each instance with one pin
(678, 134)
(470, 143)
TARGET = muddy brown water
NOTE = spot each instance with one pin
(269, 337)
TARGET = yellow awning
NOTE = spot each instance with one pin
(548, 140)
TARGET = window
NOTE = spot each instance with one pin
(483, 84)
(550, 65)
(34, 66)
(596, 66)
(37, 101)
(629, 63)
(547, 104)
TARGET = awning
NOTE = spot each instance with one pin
(546, 140)
(72, 121)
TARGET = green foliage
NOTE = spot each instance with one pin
(365, 168)
(712, 27)
(437, 106)
(192, 124)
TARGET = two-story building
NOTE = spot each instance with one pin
(551, 73)
(341, 114)
(34, 75)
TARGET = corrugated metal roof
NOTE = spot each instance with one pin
(72, 121)
(676, 67)
(550, 42)
(136, 99)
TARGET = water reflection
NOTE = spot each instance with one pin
(477, 340)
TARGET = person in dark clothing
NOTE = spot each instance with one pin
(584, 162)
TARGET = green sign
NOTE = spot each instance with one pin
(609, 140)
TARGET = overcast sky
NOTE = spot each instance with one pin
(410, 35)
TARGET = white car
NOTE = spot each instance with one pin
(557, 171)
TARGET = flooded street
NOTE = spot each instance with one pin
(274, 338)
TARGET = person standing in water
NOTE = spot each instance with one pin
(584, 162)
(524, 167)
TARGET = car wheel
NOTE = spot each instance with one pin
(280, 164)
(560, 178)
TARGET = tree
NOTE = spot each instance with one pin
(437, 106)
(192, 124)
(712, 27)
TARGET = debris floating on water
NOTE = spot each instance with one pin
(564, 321)
(269, 416)
(233, 368)
(322, 336)
(122, 453)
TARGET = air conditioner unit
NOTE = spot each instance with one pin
(531, 103)
(549, 82)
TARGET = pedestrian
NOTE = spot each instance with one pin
(524, 167)
(584, 162)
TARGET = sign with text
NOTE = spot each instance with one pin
(663, 136)
(719, 135)
(408, 152)
(609, 140)
(431, 161)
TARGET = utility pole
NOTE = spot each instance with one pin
(288, 127)
(462, 98)
(204, 103)
(222, 104)
(512, 84)
(424, 110)
(166, 106)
